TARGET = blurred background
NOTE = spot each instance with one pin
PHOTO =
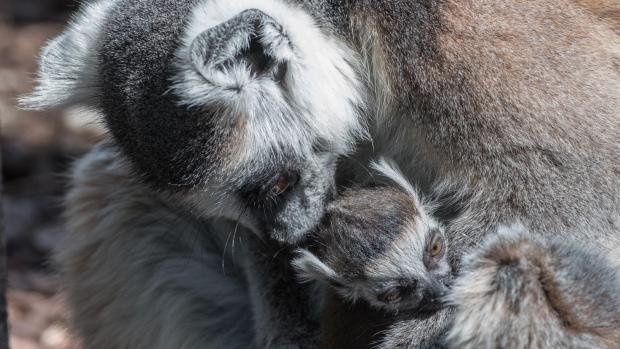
(37, 150)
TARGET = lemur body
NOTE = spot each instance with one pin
(380, 244)
(236, 110)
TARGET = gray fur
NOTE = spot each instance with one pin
(68, 71)
(520, 291)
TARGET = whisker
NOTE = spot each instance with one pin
(224, 253)
(275, 255)
(233, 233)
(247, 204)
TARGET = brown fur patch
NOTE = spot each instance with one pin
(539, 265)
(607, 10)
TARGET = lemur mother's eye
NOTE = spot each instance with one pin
(262, 190)
(283, 182)
(281, 186)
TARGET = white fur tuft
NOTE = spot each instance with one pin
(310, 267)
(68, 65)
(389, 169)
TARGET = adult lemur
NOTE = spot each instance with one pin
(511, 108)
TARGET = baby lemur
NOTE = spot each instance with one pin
(380, 244)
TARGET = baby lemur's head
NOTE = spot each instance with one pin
(380, 244)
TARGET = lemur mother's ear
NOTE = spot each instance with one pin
(68, 65)
(250, 45)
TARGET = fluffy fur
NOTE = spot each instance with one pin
(229, 114)
(216, 123)
(520, 291)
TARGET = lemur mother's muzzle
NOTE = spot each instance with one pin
(304, 205)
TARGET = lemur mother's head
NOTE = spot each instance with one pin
(238, 108)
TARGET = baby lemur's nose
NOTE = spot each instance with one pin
(435, 292)
(433, 296)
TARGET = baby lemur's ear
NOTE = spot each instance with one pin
(68, 64)
(309, 267)
(389, 169)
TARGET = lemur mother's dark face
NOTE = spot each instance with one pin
(239, 108)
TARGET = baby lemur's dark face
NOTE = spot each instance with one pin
(380, 244)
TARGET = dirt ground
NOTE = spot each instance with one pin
(37, 150)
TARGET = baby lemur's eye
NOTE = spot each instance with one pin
(391, 296)
(436, 247)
